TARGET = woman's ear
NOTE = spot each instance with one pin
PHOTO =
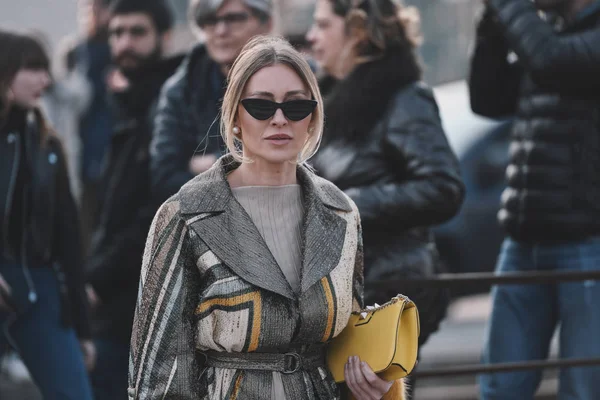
(356, 24)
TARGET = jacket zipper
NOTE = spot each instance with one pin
(32, 292)
(12, 138)
(113, 181)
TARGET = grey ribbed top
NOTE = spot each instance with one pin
(278, 213)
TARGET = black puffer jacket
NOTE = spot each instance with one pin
(553, 191)
(385, 147)
(186, 122)
(51, 234)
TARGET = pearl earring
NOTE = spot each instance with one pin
(236, 130)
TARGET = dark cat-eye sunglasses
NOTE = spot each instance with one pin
(294, 110)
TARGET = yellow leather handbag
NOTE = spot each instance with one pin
(386, 337)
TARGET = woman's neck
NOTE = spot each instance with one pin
(261, 173)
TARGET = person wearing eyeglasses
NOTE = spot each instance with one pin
(186, 138)
(384, 144)
(138, 35)
(256, 263)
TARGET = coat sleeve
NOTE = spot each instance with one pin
(174, 141)
(69, 249)
(561, 61)
(493, 80)
(162, 359)
(358, 281)
(430, 190)
(115, 263)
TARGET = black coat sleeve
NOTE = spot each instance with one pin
(493, 81)
(567, 61)
(69, 250)
(117, 262)
(173, 142)
(431, 190)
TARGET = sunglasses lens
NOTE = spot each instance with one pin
(297, 110)
(259, 108)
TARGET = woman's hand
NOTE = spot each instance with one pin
(363, 382)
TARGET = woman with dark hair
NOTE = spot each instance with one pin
(384, 144)
(43, 307)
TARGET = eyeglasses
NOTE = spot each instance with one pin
(229, 19)
(294, 110)
(136, 31)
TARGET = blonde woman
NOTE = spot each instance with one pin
(255, 264)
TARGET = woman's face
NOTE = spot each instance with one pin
(331, 45)
(277, 139)
(28, 86)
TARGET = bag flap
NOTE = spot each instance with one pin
(372, 339)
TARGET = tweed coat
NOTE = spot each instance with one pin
(209, 282)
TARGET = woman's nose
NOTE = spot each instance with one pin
(279, 118)
(310, 35)
(46, 79)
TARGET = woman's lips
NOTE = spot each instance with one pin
(279, 139)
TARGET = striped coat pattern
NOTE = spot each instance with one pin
(209, 282)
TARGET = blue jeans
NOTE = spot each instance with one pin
(50, 351)
(524, 318)
(109, 378)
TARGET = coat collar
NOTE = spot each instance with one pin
(210, 208)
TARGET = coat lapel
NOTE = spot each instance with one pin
(229, 232)
(324, 230)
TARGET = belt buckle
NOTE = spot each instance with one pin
(292, 363)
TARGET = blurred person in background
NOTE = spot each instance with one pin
(384, 144)
(43, 306)
(92, 59)
(547, 75)
(139, 31)
(186, 134)
(64, 103)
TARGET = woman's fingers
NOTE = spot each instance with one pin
(363, 382)
(380, 385)
(359, 383)
(352, 380)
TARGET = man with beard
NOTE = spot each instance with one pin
(545, 70)
(186, 138)
(138, 31)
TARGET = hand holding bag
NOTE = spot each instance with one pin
(386, 337)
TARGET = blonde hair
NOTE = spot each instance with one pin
(258, 53)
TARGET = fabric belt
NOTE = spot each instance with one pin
(286, 363)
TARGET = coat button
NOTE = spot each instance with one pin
(52, 158)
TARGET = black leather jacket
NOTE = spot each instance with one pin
(404, 179)
(553, 88)
(186, 122)
(398, 168)
(51, 235)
